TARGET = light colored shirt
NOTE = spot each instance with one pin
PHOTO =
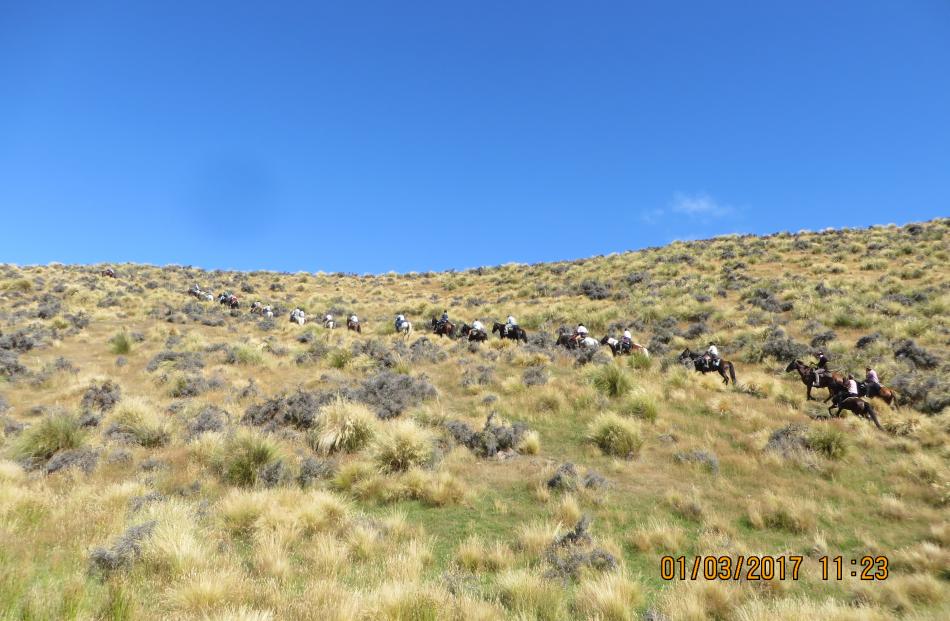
(872, 377)
(627, 335)
(713, 351)
(582, 330)
(354, 319)
(477, 325)
(511, 321)
(852, 387)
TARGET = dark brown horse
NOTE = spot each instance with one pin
(859, 406)
(514, 333)
(354, 326)
(474, 336)
(108, 272)
(702, 365)
(445, 328)
(832, 381)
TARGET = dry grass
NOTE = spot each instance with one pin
(337, 514)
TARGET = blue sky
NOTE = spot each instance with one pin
(376, 136)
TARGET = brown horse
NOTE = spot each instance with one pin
(354, 326)
(857, 405)
(885, 394)
(704, 366)
(108, 272)
(832, 381)
(446, 328)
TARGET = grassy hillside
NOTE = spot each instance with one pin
(162, 457)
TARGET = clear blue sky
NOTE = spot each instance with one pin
(369, 136)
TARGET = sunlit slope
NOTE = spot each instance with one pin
(165, 457)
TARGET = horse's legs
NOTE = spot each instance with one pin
(808, 396)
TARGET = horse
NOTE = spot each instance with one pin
(298, 316)
(702, 365)
(108, 272)
(857, 405)
(232, 302)
(445, 328)
(405, 327)
(354, 326)
(618, 349)
(832, 381)
(207, 297)
(885, 394)
(574, 341)
(267, 311)
(329, 324)
(515, 333)
(257, 308)
(473, 335)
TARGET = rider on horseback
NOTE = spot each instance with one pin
(871, 382)
(478, 327)
(510, 325)
(328, 319)
(354, 319)
(712, 356)
(852, 387)
(400, 319)
(444, 319)
(821, 367)
(580, 333)
(627, 341)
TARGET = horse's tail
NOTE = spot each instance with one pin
(732, 373)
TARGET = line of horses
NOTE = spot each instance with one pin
(836, 383)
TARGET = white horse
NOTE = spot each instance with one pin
(588, 342)
(329, 324)
(267, 311)
(405, 327)
(298, 316)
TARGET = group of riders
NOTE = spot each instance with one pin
(871, 387)
(474, 332)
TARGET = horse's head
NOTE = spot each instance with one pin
(495, 327)
(603, 341)
(686, 354)
(793, 365)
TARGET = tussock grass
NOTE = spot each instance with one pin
(403, 445)
(611, 380)
(53, 433)
(337, 514)
(136, 418)
(120, 344)
(611, 597)
(244, 455)
(616, 435)
(344, 426)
